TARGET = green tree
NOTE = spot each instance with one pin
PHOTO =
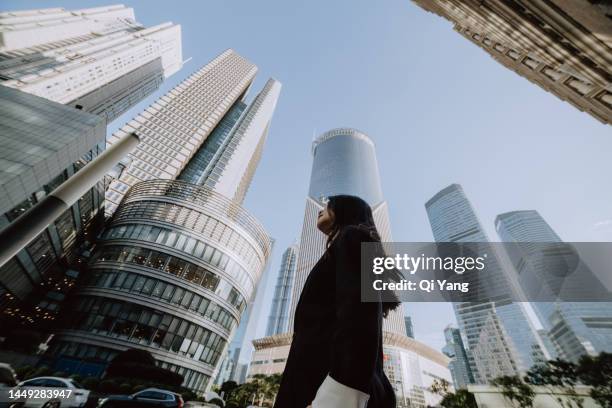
(460, 399)
(439, 387)
(515, 389)
(227, 387)
(594, 371)
(597, 372)
(260, 389)
(555, 374)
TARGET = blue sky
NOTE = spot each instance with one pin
(439, 109)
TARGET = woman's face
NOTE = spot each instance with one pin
(326, 219)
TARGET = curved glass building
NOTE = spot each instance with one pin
(180, 258)
(344, 162)
(171, 275)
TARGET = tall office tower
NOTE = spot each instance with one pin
(499, 322)
(564, 46)
(99, 59)
(575, 328)
(43, 144)
(459, 365)
(279, 315)
(173, 129)
(409, 328)
(179, 260)
(344, 162)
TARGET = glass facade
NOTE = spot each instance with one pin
(453, 219)
(459, 365)
(412, 367)
(574, 328)
(172, 274)
(35, 282)
(344, 162)
(169, 293)
(145, 326)
(174, 127)
(279, 315)
(195, 172)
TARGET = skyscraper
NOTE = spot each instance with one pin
(180, 258)
(459, 365)
(500, 322)
(344, 162)
(43, 144)
(409, 328)
(575, 328)
(563, 46)
(99, 59)
(175, 126)
(278, 321)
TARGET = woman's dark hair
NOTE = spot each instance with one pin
(353, 211)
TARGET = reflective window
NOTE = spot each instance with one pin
(142, 325)
(176, 266)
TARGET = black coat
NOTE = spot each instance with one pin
(334, 332)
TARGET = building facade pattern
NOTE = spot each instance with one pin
(564, 46)
(99, 60)
(573, 328)
(171, 275)
(453, 219)
(174, 127)
(459, 365)
(344, 162)
(44, 143)
(278, 321)
(180, 259)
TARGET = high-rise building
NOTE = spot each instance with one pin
(564, 46)
(553, 350)
(173, 128)
(99, 59)
(459, 365)
(344, 162)
(518, 347)
(278, 322)
(180, 258)
(575, 328)
(409, 328)
(43, 144)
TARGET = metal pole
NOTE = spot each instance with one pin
(24, 229)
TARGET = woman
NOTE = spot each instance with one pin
(336, 356)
